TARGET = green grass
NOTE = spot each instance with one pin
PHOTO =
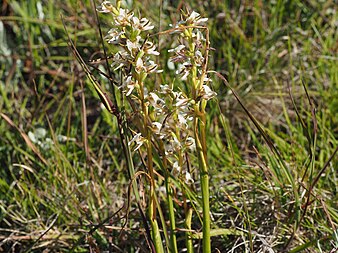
(54, 195)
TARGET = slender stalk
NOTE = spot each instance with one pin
(173, 242)
(152, 202)
(164, 227)
(170, 202)
(200, 141)
(127, 153)
(188, 237)
(199, 129)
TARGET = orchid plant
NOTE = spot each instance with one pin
(172, 123)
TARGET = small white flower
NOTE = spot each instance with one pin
(155, 101)
(141, 25)
(139, 65)
(199, 37)
(165, 89)
(176, 169)
(150, 48)
(188, 178)
(175, 143)
(182, 120)
(105, 7)
(146, 25)
(199, 59)
(120, 60)
(130, 84)
(170, 65)
(206, 79)
(115, 36)
(190, 143)
(157, 126)
(133, 46)
(195, 19)
(184, 70)
(124, 17)
(207, 93)
(151, 67)
(181, 101)
(180, 54)
(147, 67)
(176, 49)
(138, 139)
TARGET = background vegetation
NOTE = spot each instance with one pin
(275, 186)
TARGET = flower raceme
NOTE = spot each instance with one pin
(127, 32)
(173, 110)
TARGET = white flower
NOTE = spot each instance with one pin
(120, 60)
(176, 49)
(123, 19)
(180, 54)
(150, 48)
(133, 46)
(176, 169)
(207, 93)
(199, 59)
(115, 36)
(188, 178)
(151, 66)
(148, 67)
(157, 126)
(180, 100)
(170, 64)
(175, 143)
(183, 70)
(138, 139)
(182, 120)
(105, 7)
(198, 36)
(139, 65)
(206, 79)
(141, 25)
(130, 84)
(165, 89)
(190, 143)
(155, 101)
(195, 19)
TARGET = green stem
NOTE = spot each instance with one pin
(173, 243)
(188, 237)
(155, 232)
(206, 212)
(199, 129)
(200, 140)
(128, 155)
(123, 132)
(163, 222)
(156, 236)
